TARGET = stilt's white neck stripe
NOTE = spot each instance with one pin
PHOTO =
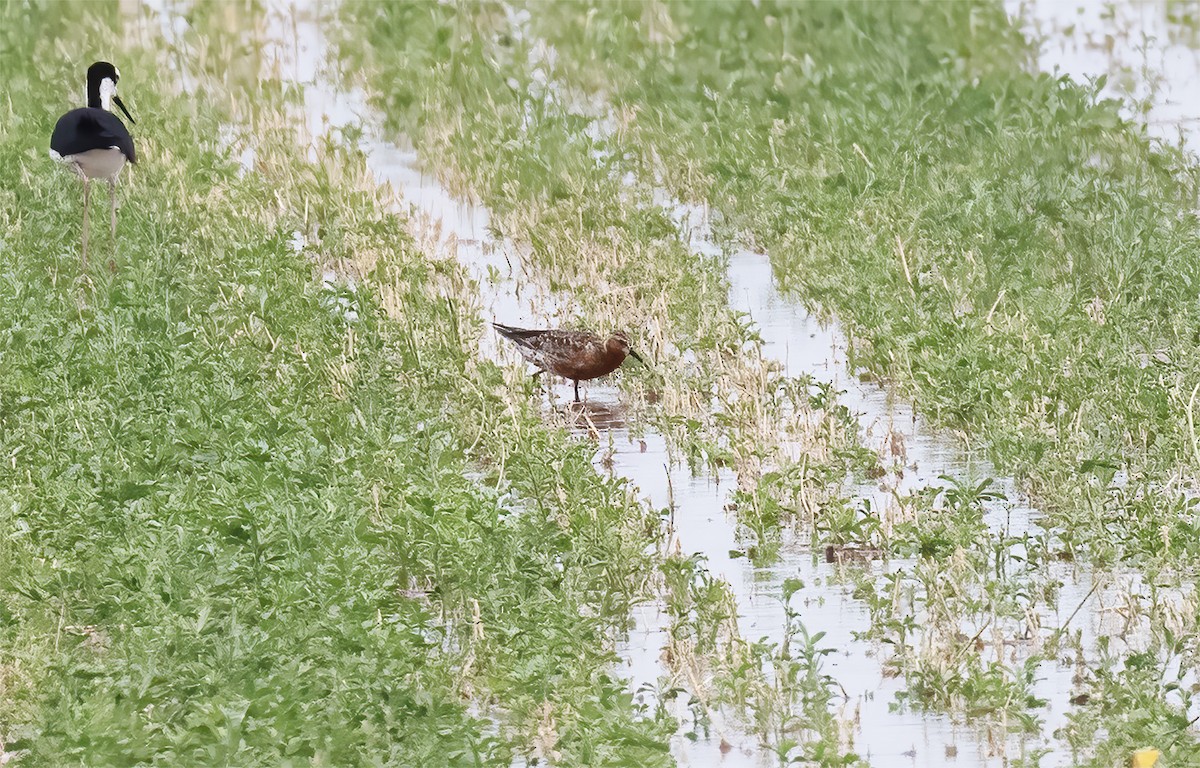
(108, 89)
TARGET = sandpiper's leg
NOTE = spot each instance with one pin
(577, 390)
(112, 197)
(87, 190)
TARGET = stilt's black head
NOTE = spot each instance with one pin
(102, 80)
(101, 70)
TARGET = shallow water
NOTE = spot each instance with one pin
(296, 51)
(804, 346)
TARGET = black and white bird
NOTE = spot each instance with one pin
(93, 141)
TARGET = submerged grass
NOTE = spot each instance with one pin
(244, 525)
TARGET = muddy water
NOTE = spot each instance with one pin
(296, 52)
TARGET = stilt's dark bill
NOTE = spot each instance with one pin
(121, 104)
(93, 142)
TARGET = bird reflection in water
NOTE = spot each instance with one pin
(592, 417)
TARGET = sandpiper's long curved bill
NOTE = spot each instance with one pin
(121, 104)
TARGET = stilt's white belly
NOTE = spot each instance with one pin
(96, 163)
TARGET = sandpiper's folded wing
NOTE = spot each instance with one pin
(518, 334)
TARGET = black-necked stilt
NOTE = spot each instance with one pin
(93, 141)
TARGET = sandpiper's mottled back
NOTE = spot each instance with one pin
(577, 355)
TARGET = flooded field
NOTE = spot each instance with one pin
(796, 554)
(701, 521)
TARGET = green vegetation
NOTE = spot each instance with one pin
(240, 525)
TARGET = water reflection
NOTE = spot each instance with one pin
(592, 417)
